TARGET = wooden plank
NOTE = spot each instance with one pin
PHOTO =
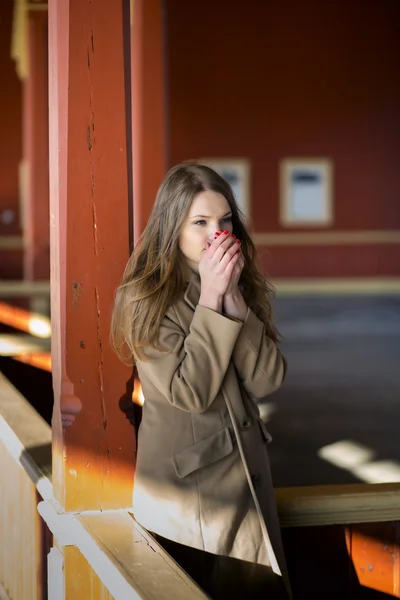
(21, 539)
(18, 343)
(338, 504)
(127, 560)
(40, 360)
(21, 289)
(80, 579)
(137, 557)
(25, 320)
(26, 436)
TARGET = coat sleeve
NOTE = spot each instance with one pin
(258, 362)
(190, 373)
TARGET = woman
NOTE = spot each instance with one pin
(194, 314)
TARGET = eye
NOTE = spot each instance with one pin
(202, 222)
(227, 220)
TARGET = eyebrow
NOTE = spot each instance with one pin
(208, 216)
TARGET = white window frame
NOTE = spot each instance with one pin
(325, 167)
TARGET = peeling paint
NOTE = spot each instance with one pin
(91, 141)
(101, 361)
(77, 292)
(88, 139)
(94, 217)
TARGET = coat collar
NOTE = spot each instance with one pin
(192, 293)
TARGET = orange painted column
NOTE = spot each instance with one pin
(93, 442)
(36, 151)
(149, 136)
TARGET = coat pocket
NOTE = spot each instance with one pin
(264, 431)
(203, 453)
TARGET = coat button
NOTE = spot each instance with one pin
(246, 422)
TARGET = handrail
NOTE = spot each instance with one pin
(26, 436)
(117, 547)
(25, 320)
(338, 504)
(126, 558)
(23, 288)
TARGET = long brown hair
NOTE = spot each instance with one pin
(154, 276)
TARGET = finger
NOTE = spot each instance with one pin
(227, 245)
(224, 238)
(238, 268)
(231, 265)
(240, 262)
(233, 251)
(215, 245)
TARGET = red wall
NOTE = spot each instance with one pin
(10, 141)
(271, 80)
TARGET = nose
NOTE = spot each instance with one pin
(211, 234)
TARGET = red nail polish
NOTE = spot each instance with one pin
(238, 242)
(226, 232)
(233, 235)
(217, 234)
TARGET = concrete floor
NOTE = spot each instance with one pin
(343, 384)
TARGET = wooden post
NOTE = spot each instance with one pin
(149, 137)
(93, 442)
(35, 166)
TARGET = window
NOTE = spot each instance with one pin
(306, 193)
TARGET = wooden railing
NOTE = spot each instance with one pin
(95, 556)
(25, 456)
(340, 541)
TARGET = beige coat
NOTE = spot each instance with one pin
(202, 475)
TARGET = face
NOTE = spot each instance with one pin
(209, 212)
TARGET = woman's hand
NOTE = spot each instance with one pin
(216, 270)
(233, 303)
(233, 286)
